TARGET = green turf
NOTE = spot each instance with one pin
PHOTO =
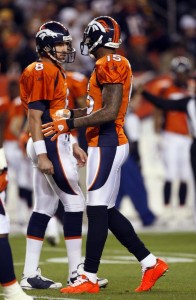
(178, 284)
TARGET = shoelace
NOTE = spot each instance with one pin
(44, 278)
(39, 275)
(79, 281)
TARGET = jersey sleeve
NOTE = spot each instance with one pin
(39, 84)
(113, 69)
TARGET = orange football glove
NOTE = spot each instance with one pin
(3, 181)
(56, 127)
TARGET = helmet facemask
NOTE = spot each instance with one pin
(69, 55)
(87, 46)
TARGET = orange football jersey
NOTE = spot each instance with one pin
(4, 104)
(47, 82)
(77, 85)
(175, 121)
(154, 86)
(3, 181)
(111, 68)
(15, 109)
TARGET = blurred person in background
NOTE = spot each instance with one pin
(175, 141)
(8, 281)
(20, 169)
(132, 182)
(187, 105)
(135, 19)
(177, 47)
(75, 18)
(187, 26)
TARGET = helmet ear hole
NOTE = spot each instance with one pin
(47, 49)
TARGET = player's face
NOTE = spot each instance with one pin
(61, 50)
(182, 78)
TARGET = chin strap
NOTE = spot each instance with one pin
(96, 43)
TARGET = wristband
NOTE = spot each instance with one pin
(3, 162)
(40, 147)
(71, 114)
(70, 123)
(62, 113)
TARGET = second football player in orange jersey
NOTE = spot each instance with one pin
(109, 92)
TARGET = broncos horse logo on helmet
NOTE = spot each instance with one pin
(49, 35)
(102, 31)
(47, 32)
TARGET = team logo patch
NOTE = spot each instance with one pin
(60, 127)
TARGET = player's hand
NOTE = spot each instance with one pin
(56, 127)
(22, 140)
(80, 155)
(61, 113)
(45, 165)
(3, 180)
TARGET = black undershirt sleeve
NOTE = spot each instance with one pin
(167, 104)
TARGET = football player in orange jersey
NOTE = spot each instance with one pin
(10, 285)
(185, 104)
(20, 168)
(43, 90)
(109, 92)
(77, 86)
(175, 142)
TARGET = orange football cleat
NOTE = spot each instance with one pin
(151, 275)
(82, 285)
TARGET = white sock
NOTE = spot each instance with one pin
(33, 251)
(91, 276)
(148, 261)
(12, 290)
(74, 253)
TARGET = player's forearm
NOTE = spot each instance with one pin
(35, 128)
(1, 137)
(2, 127)
(16, 125)
(35, 124)
(112, 97)
(97, 118)
(79, 112)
